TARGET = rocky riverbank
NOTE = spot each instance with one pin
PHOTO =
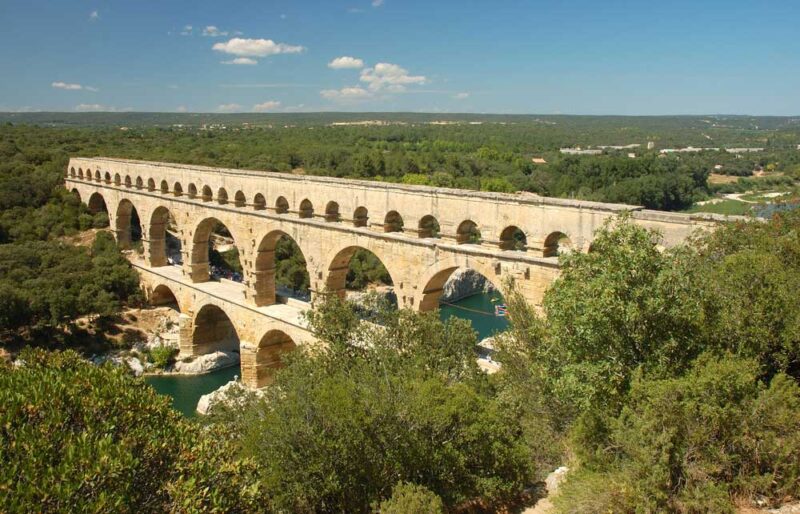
(463, 283)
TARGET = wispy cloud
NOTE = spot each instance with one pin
(275, 85)
(269, 105)
(346, 94)
(229, 108)
(97, 108)
(251, 48)
(94, 15)
(241, 60)
(187, 30)
(181, 108)
(389, 77)
(345, 62)
(461, 96)
(73, 87)
(377, 3)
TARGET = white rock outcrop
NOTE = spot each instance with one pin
(206, 363)
(465, 282)
(231, 393)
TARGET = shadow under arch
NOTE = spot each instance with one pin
(280, 267)
(128, 225)
(163, 296)
(268, 357)
(165, 248)
(97, 203)
(213, 331)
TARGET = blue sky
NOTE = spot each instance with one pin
(555, 56)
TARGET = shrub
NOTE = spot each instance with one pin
(161, 356)
(75, 437)
(408, 498)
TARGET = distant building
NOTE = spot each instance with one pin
(579, 151)
(538, 160)
(620, 147)
(688, 149)
(650, 145)
(718, 166)
(743, 150)
(631, 155)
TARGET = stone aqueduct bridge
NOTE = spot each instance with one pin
(329, 219)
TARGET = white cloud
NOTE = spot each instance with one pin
(181, 108)
(461, 96)
(346, 93)
(241, 60)
(389, 77)
(187, 30)
(256, 47)
(269, 105)
(377, 3)
(94, 15)
(344, 62)
(213, 31)
(93, 108)
(229, 108)
(73, 87)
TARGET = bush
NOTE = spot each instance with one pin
(690, 444)
(161, 356)
(410, 498)
(77, 437)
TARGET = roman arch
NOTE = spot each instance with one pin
(421, 234)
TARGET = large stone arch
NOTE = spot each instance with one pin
(436, 276)
(157, 236)
(339, 264)
(128, 229)
(97, 203)
(163, 295)
(214, 329)
(199, 258)
(260, 364)
(264, 275)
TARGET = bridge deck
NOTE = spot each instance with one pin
(230, 292)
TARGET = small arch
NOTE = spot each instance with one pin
(76, 193)
(207, 195)
(269, 356)
(429, 227)
(360, 217)
(97, 175)
(192, 191)
(332, 212)
(281, 205)
(80, 173)
(72, 171)
(117, 179)
(107, 178)
(468, 233)
(151, 184)
(393, 222)
(239, 199)
(162, 296)
(259, 202)
(306, 209)
(222, 196)
(513, 238)
(128, 182)
(139, 183)
(164, 187)
(555, 244)
(177, 190)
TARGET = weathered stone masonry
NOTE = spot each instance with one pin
(329, 219)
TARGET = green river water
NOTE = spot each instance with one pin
(187, 390)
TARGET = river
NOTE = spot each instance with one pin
(186, 390)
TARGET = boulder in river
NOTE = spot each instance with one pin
(465, 282)
(207, 363)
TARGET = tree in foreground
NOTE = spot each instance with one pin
(75, 437)
(374, 406)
